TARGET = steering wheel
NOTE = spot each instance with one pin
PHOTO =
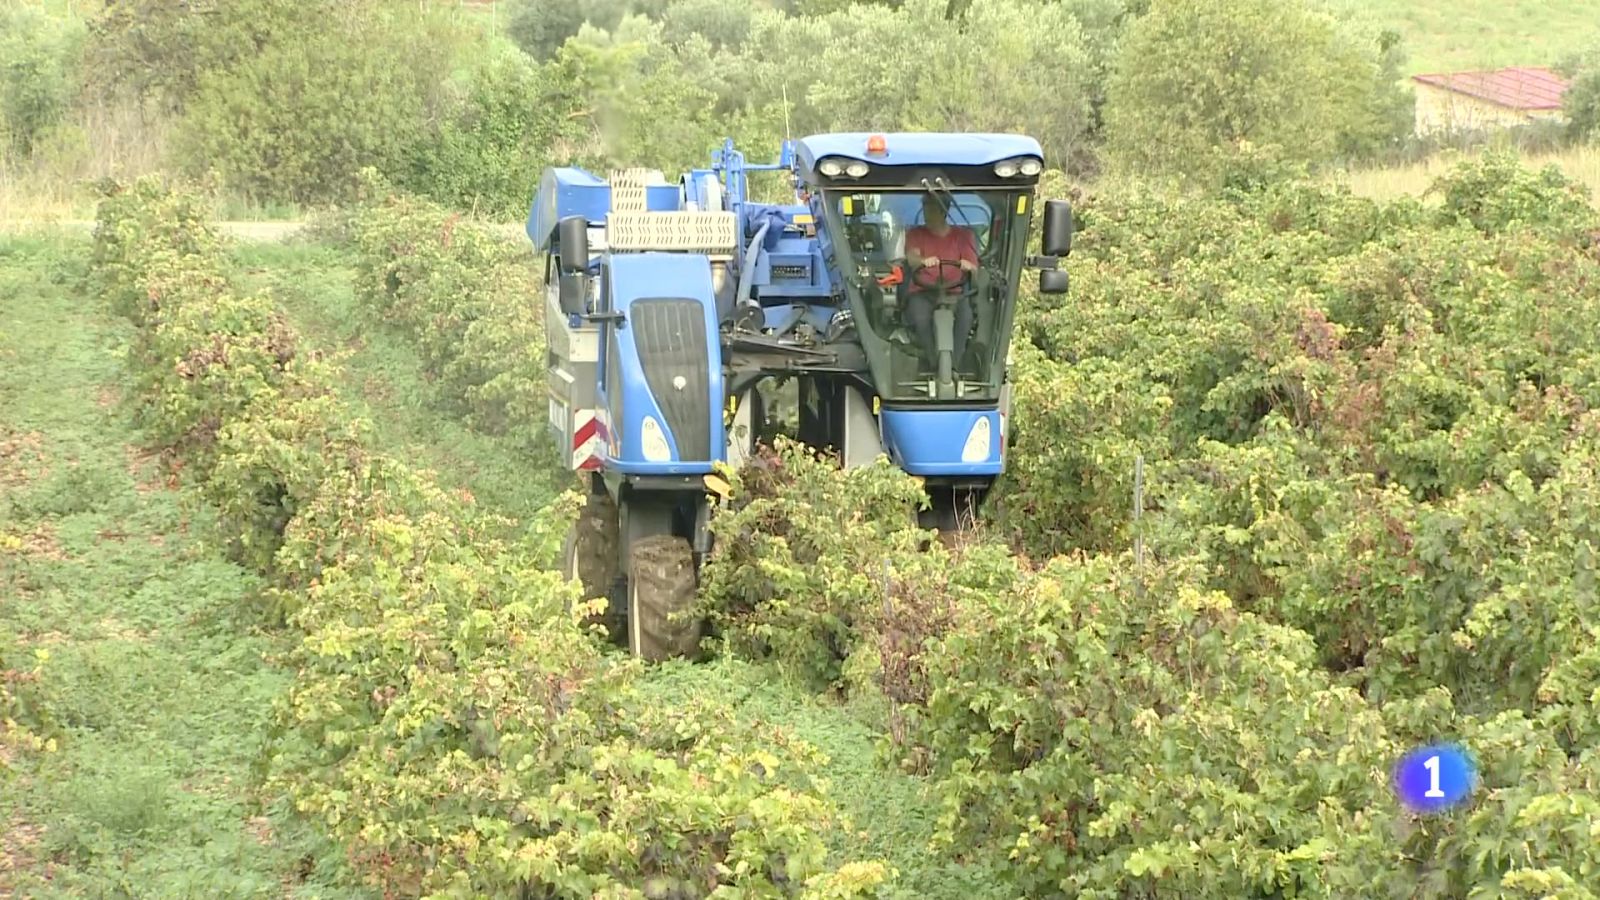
(963, 278)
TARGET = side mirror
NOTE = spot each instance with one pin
(571, 293)
(1057, 237)
(573, 235)
(1054, 281)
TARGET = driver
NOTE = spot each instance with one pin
(940, 257)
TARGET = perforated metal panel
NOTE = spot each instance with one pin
(714, 233)
(628, 188)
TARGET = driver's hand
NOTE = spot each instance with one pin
(930, 262)
(967, 264)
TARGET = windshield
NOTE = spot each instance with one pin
(931, 279)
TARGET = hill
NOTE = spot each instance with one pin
(1443, 35)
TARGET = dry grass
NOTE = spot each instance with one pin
(1580, 164)
(103, 139)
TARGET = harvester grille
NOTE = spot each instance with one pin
(671, 337)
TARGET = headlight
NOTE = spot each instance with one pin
(831, 167)
(1006, 168)
(857, 169)
(655, 441)
(977, 446)
(1031, 166)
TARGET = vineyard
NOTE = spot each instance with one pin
(1367, 435)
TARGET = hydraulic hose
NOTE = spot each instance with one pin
(742, 304)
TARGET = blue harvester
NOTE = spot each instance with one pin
(674, 308)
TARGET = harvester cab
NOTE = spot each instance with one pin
(883, 294)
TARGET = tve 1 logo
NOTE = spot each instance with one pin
(1435, 778)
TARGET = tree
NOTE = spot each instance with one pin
(540, 27)
(1581, 102)
(158, 50)
(36, 56)
(339, 87)
(725, 23)
(641, 105)
(1005, 65)
(1196, 77)
(513, 118)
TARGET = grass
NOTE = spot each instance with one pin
(154, 681)
(1580, 164)
(1452, 35)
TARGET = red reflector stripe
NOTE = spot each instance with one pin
(585, 432)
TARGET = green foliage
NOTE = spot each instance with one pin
(203, 353)
(1114, 733)
(1357, 414)
(335, 91)
(36, 78)
(272, 460)
(470, 300)
(540, 27)
(1496, 194)
(662, 88)
(644, 102)
(989, 73)
(725, 24)
(807, 582)
(1581, 102)
(158, 51)
(499, 137)
(441, 678)
(1196, 81)
(145, 225)
(134, 674)
(450, 721)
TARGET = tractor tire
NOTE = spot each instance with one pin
(589, 555)
(661, 582)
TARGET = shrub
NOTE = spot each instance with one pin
(825, 575)
(157, 51)
(1357, 414)
(144, 226)
(471, 302)
(1062, 704)
(274, 457)
(209, 361)
(540, 27)
(1581, 102)
(441, 677)
(991, 78)
(1495, 194)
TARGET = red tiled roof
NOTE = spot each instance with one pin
(1515, 88)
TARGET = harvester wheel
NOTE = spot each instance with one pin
(660, 583)
(589, 555)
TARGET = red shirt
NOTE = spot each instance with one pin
(956, 244)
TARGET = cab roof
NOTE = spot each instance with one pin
(918, 148)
